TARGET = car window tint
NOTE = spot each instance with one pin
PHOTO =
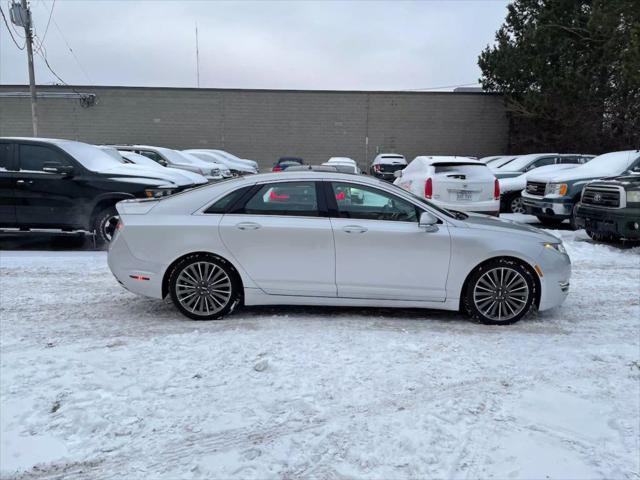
(222, 205)
(286, 198)
(542, 162)
(357, 201)
(152, 155)
(33, 157)
(5, 155)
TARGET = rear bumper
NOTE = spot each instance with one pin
(137, 276)
(541, 207)
(489, 207)
(624, 222)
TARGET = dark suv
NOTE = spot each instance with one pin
(609, 209)
(67, 185)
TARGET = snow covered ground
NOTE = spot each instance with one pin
(98, 383)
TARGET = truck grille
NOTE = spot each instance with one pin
(536, 188)
(602, 196)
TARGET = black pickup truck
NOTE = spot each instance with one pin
(609, 209)
(67, 185)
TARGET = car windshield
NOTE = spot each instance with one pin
(613, 163)
(174, 156)
(518, 163)
(90, 156)
(139, 159)
(113, 153)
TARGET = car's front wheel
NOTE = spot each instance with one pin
(516, 205)
(500, 292)
(203, 287)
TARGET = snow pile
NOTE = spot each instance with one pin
(98, 383)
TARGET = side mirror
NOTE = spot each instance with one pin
(397, 173)
(428, 222)
(58, 168)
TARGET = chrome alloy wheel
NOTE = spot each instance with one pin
(517, 206)
(501, 293)
(203, 288)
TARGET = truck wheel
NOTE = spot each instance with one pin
(104, 225)
(516, 205)
(573, 219)
(550, 222)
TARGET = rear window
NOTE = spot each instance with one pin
(453, 169)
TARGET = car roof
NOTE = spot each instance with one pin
(312, 175)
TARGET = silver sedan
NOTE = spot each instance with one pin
(319, 238)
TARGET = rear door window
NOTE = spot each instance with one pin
(284, 198)
(6, 156)
(34, 157)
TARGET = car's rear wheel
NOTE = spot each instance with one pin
(104, 225)
(203, 287)
(500, 292)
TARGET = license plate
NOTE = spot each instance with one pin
(463, 196)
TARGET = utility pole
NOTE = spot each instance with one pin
(21, 17)
(197, 58)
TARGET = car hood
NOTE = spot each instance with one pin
(145, 174)
(193, 177)
(520, 182)
(500, 225)
(624, 180)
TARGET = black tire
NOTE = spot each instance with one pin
(219, 296)
(515, 205)
(104, 225)
(550, 221)
(573, 221)
(478, 303)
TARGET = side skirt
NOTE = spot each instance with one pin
(255, 296)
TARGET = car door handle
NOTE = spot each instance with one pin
(354, 229)
(248, 226)
(24, 182)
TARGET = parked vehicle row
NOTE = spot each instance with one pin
(554, 196)
(67, 185)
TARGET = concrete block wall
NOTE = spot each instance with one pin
(266, 124)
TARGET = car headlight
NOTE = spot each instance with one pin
(558, 247)
(157, 192)
(215, 172)
(559, 189)
(633, 196)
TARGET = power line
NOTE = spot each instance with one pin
(48, 23)
(9, 30)
(440, 87)
(55, 24)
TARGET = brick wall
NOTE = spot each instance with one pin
(266, 124)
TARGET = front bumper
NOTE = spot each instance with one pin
(559, 208)
(555, 280)
(623, 222)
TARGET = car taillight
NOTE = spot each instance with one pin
(120, 225)
(496, 190)
(377, 168)
(276, 168)
(428, 188)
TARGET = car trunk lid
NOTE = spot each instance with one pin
(460, 182)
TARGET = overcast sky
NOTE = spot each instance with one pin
(356, 45)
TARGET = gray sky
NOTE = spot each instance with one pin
(350, 45)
